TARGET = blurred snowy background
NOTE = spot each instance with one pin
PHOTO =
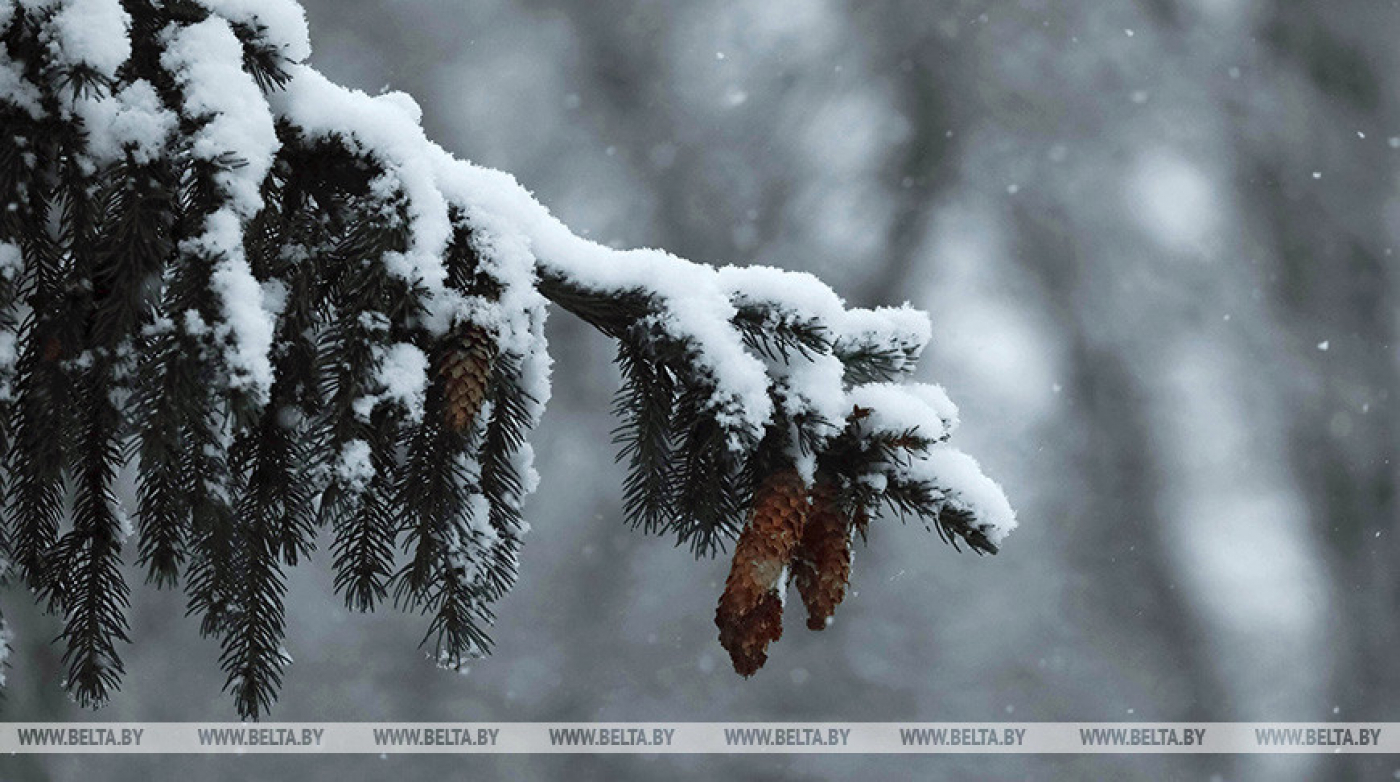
(1157, 242)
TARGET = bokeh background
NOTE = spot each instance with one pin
(1157, 240)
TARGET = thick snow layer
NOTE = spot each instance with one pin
(895, 408)
(207, 62)
(131, 119)
(959, 478)
(246, 325)
(384, 129)
(92, 33)
(814, 386)
(284, 22)
(803, 295)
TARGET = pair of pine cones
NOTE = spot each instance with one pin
(792, 533)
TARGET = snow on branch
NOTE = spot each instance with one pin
(299, 311)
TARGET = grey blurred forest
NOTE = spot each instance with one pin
(1157, 239)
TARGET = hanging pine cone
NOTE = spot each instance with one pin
(747, 636)
(749, 615)
(466, 368)
(821, 565)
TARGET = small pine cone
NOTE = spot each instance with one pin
(466, 368)
(749, 615)
(821, 565)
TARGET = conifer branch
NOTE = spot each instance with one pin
(288, 310)
(85, 579)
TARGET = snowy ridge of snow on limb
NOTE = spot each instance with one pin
(965, 490)
(901, 407)
(207, 59)
(282, 22)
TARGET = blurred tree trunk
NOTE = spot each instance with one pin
(1335, 241)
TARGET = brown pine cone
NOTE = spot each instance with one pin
(747, 638)
(749, 615)
(821, 565)
(466, 368)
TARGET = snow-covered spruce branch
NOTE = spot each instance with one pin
(286, 309)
